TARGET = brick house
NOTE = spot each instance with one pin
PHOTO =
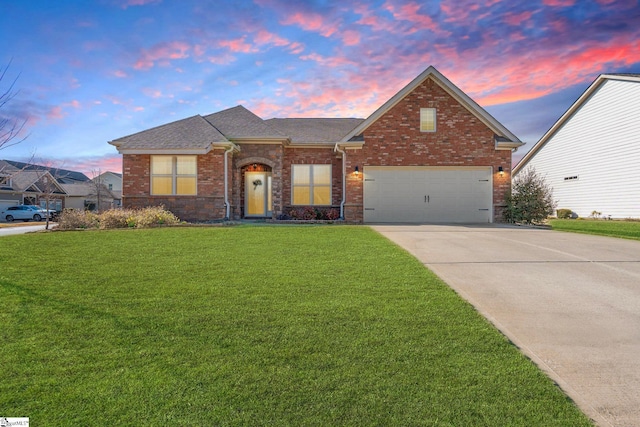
(429, 154)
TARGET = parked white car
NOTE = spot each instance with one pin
(24, 213)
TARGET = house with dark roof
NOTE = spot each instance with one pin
(429, 154)
(590, 155)
(22, 184)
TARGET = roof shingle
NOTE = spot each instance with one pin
(302, 130)
(190, 133)
(239, 123)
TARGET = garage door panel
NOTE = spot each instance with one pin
(427, 194)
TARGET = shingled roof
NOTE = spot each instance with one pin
(319, 130)
(191, 135)
(240, 123)
(197, 134)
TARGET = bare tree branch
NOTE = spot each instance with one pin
(10, 127)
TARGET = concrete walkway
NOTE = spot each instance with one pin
(571, 302)
(8, 231)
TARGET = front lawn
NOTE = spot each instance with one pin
(250, 326)
(625, 229)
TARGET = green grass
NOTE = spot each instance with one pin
(250, 326)
(624, 229)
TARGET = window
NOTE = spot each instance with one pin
(311, 184)
(110, 187)
(427, 120)
(173, 175)
(5, 180)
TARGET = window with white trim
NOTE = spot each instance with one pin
(427, 120)
(173, 175)
(311, 185)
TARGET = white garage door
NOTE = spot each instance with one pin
(425, 194)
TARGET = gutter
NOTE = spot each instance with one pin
(344, 179)
(226, 181)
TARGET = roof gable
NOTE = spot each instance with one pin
(240, 123)
(451, 89)
(193, 135)
(583, 99)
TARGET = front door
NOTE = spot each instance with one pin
(257, 194)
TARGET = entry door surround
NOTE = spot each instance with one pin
(257, 194)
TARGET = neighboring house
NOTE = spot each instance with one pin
(25, 183)
(29, 187)
(113, 182)
(590, 155)
(89, 195)
(429, 154)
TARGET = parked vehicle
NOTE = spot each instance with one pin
(24, 212)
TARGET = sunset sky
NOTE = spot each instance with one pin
(89, 72)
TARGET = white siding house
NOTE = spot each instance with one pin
(591, 155)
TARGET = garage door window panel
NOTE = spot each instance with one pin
(311, 185)
(173, 175)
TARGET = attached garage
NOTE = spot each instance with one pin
(427, 194)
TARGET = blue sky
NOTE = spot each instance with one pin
(92, 71)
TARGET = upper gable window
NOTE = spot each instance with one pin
(5, 180)
(427, 120)
(173, 175)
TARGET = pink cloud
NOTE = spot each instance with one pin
(56, 113)
(92, 166)
(128, 3)
(266, 37)
(238, 45)
(517, 19)
(313, 22)
(331, 61)
(162, 53)
(558, 3)
(410, 12)
(120, 74)
(350, 37)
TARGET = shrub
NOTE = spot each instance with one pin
(310, 213)
(117, 218)
(564, 213)
(114, 218)
(72, 219)
(155, 215)
(531, 199)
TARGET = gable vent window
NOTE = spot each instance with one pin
(427, 120)
(173, 175)
(571, 178)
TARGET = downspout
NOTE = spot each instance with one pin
(344, 179)
(226, 182)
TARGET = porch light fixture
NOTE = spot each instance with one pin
(255, 166)
(357, 171)
(500, 170)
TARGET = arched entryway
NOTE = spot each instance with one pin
(257, 193)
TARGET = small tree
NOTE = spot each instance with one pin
(531, 199)
(10, 128)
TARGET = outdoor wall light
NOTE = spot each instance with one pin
(357, 171)
(500, 170)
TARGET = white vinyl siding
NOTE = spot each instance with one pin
(600, 145)
(427, 194)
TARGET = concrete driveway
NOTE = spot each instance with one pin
(571, 302)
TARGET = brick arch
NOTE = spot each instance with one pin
(250, 160)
